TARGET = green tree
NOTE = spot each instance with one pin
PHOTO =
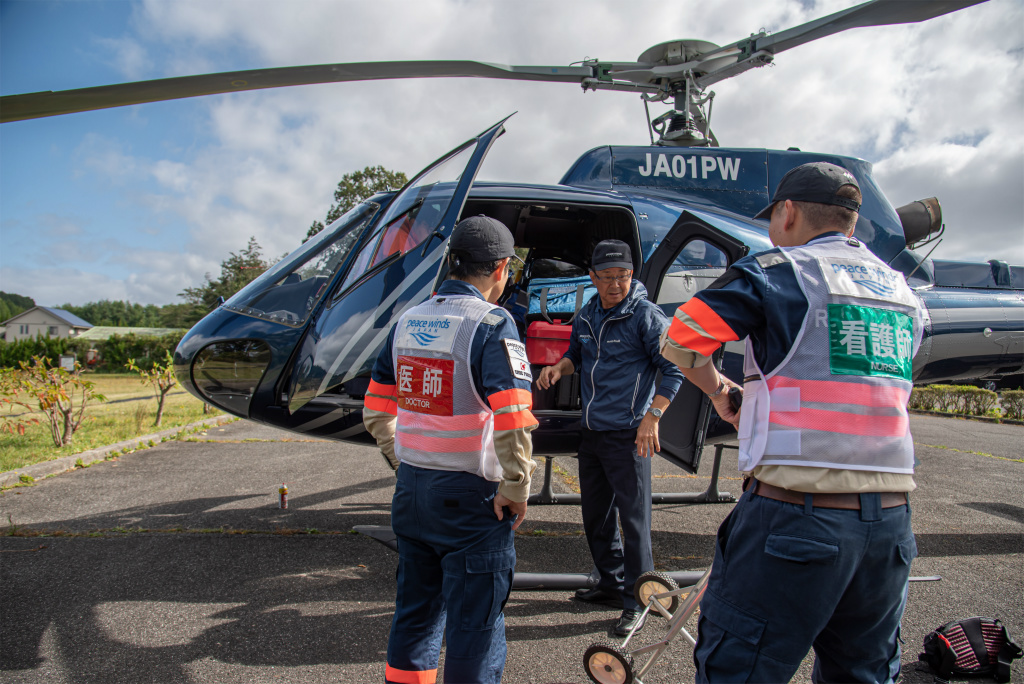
(237, 271)
(117, 313)
(160, 378)
(11, 399)
(60, 395)
(180, 315)
(355, 187)
(13, 304)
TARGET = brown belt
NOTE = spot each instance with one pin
(849, 502)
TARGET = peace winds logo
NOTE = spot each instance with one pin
(427, 330)
(881, 282)
(423, 339)
(875, 286)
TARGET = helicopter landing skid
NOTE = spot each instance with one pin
(548, 497)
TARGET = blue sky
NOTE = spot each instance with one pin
(139, 202)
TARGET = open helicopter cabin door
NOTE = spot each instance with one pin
(691, 257)
(395, 269)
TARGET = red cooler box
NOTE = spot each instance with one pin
(547, 342)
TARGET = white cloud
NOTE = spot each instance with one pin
(980, 189)
(59, 227)
(50, 286)
(99, 154)
(127, 56)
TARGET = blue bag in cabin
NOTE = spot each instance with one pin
(561, 298)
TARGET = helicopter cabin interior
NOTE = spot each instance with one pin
(555, 243)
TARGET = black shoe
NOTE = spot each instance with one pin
(598, 595)
(628, 620)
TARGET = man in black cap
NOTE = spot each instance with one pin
(614, 342)
(449, 405)
(816, 553)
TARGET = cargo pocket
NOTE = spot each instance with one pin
(488, 584)
(801, 549)
(722, 537)
(728, 641)
(908, 549)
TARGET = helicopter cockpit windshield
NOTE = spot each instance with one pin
(413, 216)
(288, 292)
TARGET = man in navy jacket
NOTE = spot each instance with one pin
(615, 344)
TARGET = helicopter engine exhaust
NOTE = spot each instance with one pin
(920, 219)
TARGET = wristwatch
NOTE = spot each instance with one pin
(721, 388)
(656, 412)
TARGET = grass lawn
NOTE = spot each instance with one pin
(129, 412)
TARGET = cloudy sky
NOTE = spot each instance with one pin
(138, 203)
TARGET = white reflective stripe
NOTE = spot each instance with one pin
(439, 434)
(733, 347)
(785, 399)
(823, 450)
(782, 443)
(451, 461)
(856, 409)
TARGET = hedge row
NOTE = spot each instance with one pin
(114, 351)
(11, 353)
(968, 400)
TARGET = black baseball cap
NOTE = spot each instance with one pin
(611, 254)
(483, 239)
(815, 182)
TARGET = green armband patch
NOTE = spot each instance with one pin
(869, 341)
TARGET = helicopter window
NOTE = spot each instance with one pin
(288, 292)
(227, 373)
(406, 232)
(698, 265)
(413, 216)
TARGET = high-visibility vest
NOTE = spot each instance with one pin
(839, 398)
(443, 423)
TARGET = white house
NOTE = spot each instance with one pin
(45, 321)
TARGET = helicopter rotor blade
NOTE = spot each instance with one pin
(760, 49)
(876, 13)
(49, 103)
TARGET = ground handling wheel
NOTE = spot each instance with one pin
(608, 664)
(651, 583)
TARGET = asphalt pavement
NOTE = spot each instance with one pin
(174, 564)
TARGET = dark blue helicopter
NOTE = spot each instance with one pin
(295, 347)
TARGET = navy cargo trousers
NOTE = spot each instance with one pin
(455, 568)
(787, 578)
(615, 479)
